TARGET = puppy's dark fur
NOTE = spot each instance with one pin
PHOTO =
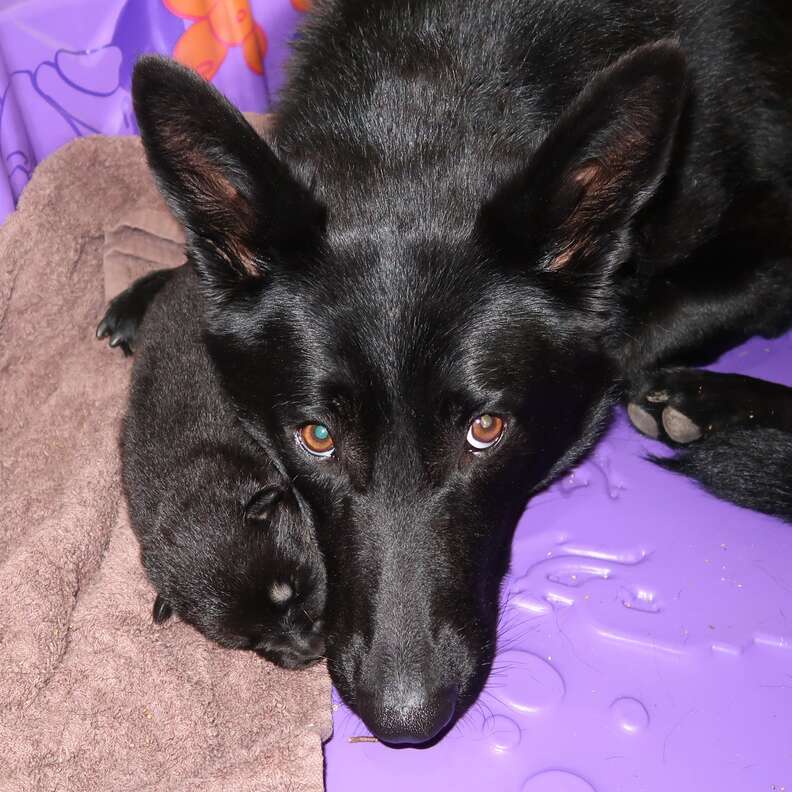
(223, 538)
(469, 208)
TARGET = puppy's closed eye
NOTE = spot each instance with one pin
(261, 506)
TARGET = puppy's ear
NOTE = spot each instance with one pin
(570, 210)
(239, 202)
(262, 505)
(162, 610)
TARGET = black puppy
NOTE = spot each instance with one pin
(223, 538)
(477, 225)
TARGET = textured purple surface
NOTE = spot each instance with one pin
(646, 642)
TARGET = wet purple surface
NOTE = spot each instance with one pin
(646, 642)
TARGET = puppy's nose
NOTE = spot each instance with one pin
(293, 650)
(407, 714)
(312, 644)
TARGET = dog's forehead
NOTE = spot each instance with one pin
(411, 319)
(402, 297)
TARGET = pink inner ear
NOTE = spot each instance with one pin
(587, 174)
(221, 205)
(575, 231)
(562, 259)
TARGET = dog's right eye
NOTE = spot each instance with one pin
(316, 440)
(485, 432)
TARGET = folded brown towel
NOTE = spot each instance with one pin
(143, 240)
(92, 694)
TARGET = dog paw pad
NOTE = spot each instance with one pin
(679, 427)
(643, 421)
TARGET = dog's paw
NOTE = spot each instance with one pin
(125, 313)
(122, 319)
(682, 405)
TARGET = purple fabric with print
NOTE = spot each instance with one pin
(647, 627)
(66, 65)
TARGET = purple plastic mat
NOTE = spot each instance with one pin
(646, 631)
(646, 642)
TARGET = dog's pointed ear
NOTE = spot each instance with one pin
(571, 208)
(238, 201)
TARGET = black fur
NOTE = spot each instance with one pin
(223, 538)
(734, 436)
(472, 208)
(749, 467)
(126, 311)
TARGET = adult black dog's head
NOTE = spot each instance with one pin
(416, 381)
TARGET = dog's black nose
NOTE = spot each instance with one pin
(407, 715)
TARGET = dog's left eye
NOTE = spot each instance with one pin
(485, 432)
(316, 440)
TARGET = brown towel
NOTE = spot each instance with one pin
(144, 239)
(92, 694)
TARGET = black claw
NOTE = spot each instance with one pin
(116, 339)
(102, 330)
(162, 610)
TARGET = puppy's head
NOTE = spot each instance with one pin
(417, 365)
(239, 568)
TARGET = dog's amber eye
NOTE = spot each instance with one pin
(316, 439)
(485, 431)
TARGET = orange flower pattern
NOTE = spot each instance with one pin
(219, 25)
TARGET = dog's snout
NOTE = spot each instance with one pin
(405, 713)
(406, 673)
(406, 694)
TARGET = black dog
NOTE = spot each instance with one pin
(223, 538)
(477, 225)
